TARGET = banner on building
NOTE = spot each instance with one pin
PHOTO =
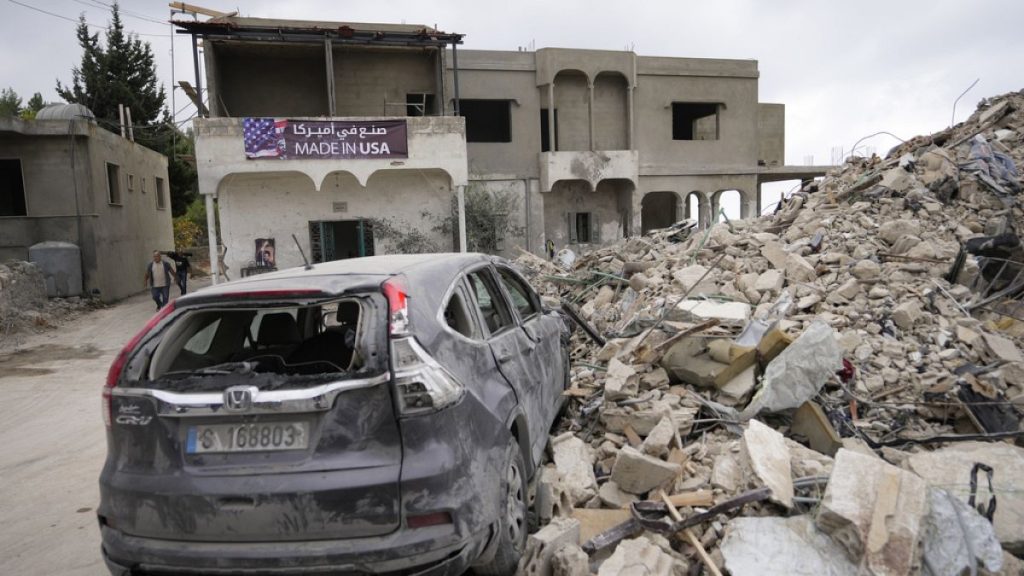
(270, 138)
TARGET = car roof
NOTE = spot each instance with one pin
(425, 273)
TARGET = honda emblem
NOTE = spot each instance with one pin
(239, 398)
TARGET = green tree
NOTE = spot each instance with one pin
(10, 103)
(122, 72)
(33, 106)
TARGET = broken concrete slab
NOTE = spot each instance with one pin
(907, 314)
(612, 497)
(768, 456)
(770, 281)
(798, 269)
(866, 270)
(726, 473)
(875, 511)
(782, 546)
(570, 560)
(621, 382)
(657, 442)
(1002, 348)
(640, 556)
(542, 545)
(775, 254)
(957, 540)
(574, 461)
(726, 313)
(689, 280)
(638, 473)
(950, 468)
(737, 389)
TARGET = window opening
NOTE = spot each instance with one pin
(12, 189)
(487, 120)
(695, 120)
(492, 307)
(113, 183)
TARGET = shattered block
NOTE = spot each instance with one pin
(621, 382)
(768, 455)
(570, 560)
(874, 510)
(907, 314)
(612, 497)
(782, 546)
(657, 442)
(639, 473)
(950, 468)
(958, 540)
(639, 556)
(727, 313)
(542, 545)
(689, 279)
(574, 460)
(798, 269)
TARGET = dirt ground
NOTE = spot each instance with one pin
(54, 443)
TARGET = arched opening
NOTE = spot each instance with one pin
(572, 111)
(698, 208)
(610, 112)
(658, 210)
(730, 202)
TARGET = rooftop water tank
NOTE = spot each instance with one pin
(61, 263)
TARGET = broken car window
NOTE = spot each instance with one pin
(492, 308)
(519, 293)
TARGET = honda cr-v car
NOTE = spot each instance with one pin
(374, 415)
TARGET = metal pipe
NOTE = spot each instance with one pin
(329, 60)
(440, 83)
(199, 82)
(551, 116)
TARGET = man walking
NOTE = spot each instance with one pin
(158, 278)
(183, 265)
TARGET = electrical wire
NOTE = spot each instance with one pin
(129, 13)
(73, 20)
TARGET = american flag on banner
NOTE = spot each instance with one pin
(264, 137)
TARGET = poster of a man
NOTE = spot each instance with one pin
(266, 257)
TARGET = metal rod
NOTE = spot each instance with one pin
(329, 61)
(199, 81)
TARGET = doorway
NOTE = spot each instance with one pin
(340, 239)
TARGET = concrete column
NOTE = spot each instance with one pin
(460, 192)
(590, 110)
(629, 118)
(551, 115)
(211, 227)
(329, 59)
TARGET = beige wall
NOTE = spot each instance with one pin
(277, 205)
(771, 129)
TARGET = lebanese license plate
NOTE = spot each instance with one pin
(254, 437)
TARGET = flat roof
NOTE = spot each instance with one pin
(278, 30)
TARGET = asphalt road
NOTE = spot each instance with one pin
(53, 441)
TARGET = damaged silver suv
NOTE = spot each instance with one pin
(374, 415)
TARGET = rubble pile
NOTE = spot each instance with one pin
(23, 302)
(831, 389)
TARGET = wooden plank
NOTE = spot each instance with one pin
(190, 91)
(690, 537)
(632, 436)
(694, 498)
(198, 10)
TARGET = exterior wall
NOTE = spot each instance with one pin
(571, 101)
(771, 131)
(509, 75)
(279, 204)
(610, 205)
(611, 129)
(527, 216)
(365, 80)
(125, 236)
(269, 80)
(115, 241)
(706, 187)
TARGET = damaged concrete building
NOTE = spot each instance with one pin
(65, 180)
(590, 146)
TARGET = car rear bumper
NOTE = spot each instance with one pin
(426, 551)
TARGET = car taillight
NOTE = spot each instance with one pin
(117, 367)
(398, 306)
(422, 384)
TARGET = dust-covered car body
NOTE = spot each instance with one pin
(372, 415)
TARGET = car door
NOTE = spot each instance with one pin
(514, 352)
(545, 331)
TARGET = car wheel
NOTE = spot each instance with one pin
(513, 524)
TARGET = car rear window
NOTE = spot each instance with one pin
(332, 338)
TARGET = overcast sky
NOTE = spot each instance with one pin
(843, 69)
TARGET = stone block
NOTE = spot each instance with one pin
(621, 382)
(866, 269)
(874, 510)
(638, 473)
(657, 442)
(612, 497)
(907, 314)
(770, 281)
(574, 460)
(798, 269)
(783, 546)
(542, 545)
(727, 313)
(639, 556)
(766, 451)
(570, 560)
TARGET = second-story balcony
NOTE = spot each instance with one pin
(591, 166)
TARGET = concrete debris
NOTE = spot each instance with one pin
(641, 557)
(957, 540)
(570, 560)
(950, 468)
(573, 458)
(542, 546)
(638, 473)
(874, 511)
(24, 305)
(768, 456)
(870, 326)
(782, 547)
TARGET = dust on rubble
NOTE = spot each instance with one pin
(721, 376)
